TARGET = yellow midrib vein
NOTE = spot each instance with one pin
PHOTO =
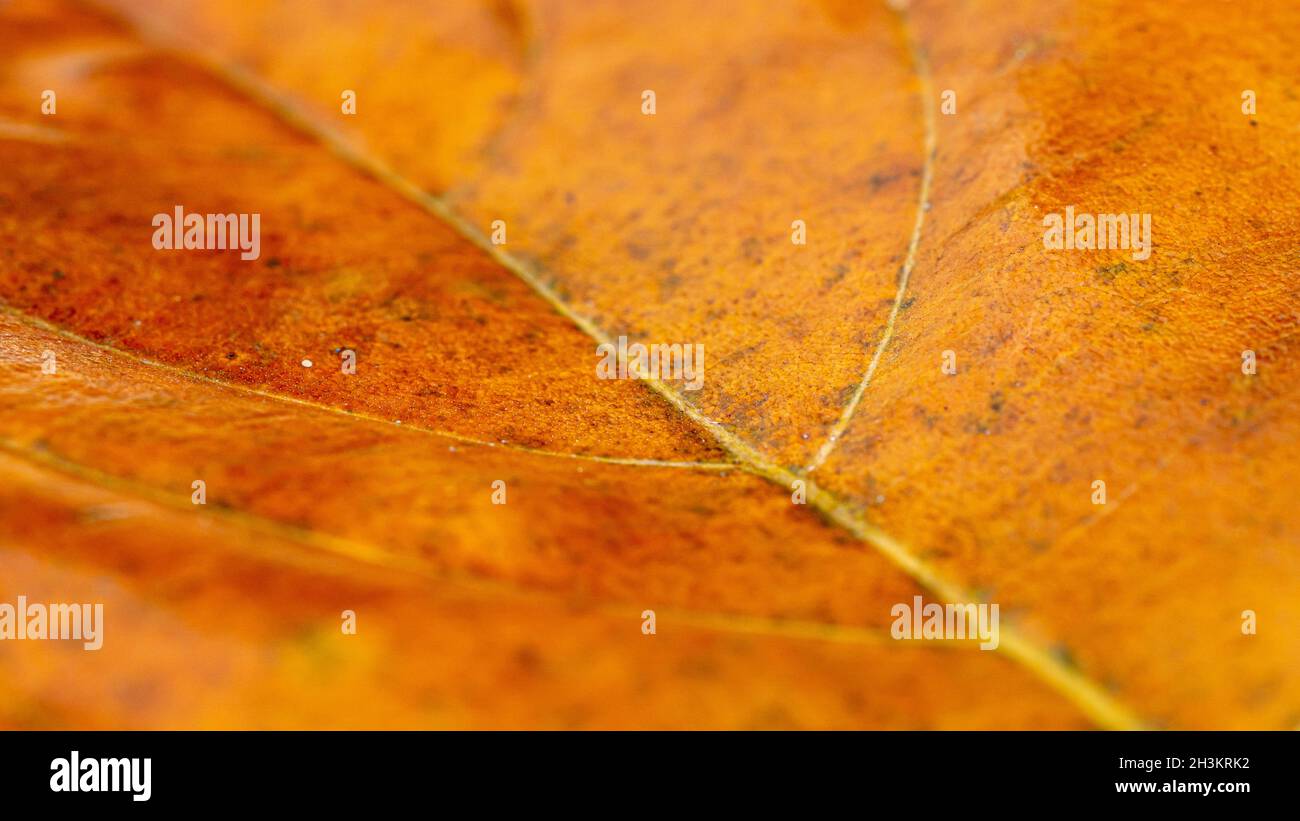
(1084, 693)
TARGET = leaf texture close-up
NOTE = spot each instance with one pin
(389, 411)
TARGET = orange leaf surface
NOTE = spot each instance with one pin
(372, 491)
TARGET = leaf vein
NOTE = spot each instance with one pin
(1090, 697)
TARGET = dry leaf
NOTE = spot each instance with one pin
(372, 491)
